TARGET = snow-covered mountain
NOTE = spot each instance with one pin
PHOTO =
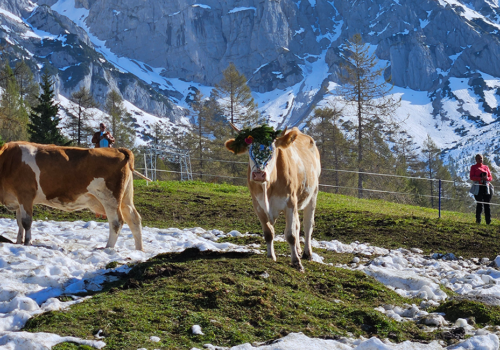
(441, 55)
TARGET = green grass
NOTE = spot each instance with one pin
(225, 294)
(347, 219)
(460, 308)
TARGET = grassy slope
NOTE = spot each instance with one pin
(227, 207)
(226, 296)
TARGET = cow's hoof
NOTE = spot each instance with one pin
(272, 257)
(297, 265)
(307, 256)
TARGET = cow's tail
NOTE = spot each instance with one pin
(129, 156)
(141, 176)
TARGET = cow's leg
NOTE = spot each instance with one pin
(20, 233)
(297, 229)
(26, 221)
(292, 232)
(133, 220)
(131, 216)
(112, 208)
(269, 237)
(113, 212)
(115, 220)
(268, 229)
(308, 227)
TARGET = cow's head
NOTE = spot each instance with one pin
(262, 144)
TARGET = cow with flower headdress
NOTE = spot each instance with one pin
(283, 175)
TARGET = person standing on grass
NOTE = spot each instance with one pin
(103, 138)
(481, 188)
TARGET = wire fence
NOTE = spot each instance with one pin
(443, 194)
(389, 175)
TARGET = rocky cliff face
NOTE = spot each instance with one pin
(153, 50)
(196, 41)
(48, 39)
(425, 42)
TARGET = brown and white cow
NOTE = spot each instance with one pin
(69, 178)
(286, 181)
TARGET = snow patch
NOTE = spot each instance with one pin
(10, 15)
(239, 9)
(424, 23)
(202, 6)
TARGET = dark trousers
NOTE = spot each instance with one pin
(483, 196)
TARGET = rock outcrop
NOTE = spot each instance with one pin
(275, 43)
(268, 39)
(71, 57)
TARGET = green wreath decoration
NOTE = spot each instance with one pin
(264, 135)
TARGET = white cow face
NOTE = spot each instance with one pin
(263, 158)
(262, 161)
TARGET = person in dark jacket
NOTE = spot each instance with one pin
(103, 138)
(481, 176)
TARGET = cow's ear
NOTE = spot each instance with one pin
(231, 145)
(286, 140)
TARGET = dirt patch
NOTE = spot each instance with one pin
(195, 254)
(456, 333)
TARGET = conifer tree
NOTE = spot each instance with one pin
(158, 133)
(212, 130)
(28, 88)
(404, 148)
(221, 131)
(44, 123)
(407, 163)
(462, 200)
(13, 114)
(80, 115)
(205, 141)
(434, 167)
(363, 88)
(332, 145)
(203, 125)
(119, 121)
(181, 139)
(235, 98)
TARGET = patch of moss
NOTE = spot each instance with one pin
(233, 301)
(112, 265)
(461, 308)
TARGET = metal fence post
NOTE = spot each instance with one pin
(440, 198)
(146, 167)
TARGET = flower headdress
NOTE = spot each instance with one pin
(264, 135)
